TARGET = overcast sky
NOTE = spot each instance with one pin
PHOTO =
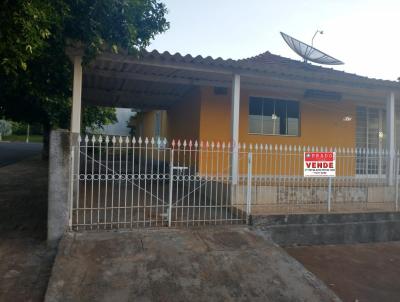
(365, 34)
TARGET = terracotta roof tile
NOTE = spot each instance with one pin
(274, 64)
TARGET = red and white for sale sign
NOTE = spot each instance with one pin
(319, 164)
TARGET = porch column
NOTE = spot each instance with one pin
(391, 124)
(76, 96)
(235, 108)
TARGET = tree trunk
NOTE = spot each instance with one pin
(46, 141)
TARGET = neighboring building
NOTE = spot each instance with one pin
(121, 126)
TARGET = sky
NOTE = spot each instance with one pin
(364, 34)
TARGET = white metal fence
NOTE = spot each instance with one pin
(362, 181)
(126, 183)
(121, 182)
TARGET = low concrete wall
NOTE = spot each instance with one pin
(59, 181)
(314, 229)
(263, 197)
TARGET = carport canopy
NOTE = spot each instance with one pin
(153, 80)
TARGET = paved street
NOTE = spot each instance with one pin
(14, 152)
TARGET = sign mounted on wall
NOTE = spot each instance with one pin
(319, 164)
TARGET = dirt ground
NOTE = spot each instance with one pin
(355, 272)
(25, 259)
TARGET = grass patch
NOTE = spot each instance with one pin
(22, 138)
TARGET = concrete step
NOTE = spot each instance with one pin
(315, 229)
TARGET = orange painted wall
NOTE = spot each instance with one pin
(321, 123)
(184, 117)
(147, 121)
(202, 115)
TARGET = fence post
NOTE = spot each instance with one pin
(71, 185)
(397, 183)
(249, 176)
(171, 176)
(58, 210)
(329, 193)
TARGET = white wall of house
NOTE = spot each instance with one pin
(121, 126)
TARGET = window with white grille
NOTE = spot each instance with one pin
(370, 140)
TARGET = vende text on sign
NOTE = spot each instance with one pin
(319, 164)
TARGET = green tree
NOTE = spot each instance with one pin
(35, 72)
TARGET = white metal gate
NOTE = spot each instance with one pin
(128, 183)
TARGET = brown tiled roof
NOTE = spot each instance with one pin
(275, 65)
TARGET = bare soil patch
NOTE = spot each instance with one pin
(355, 272)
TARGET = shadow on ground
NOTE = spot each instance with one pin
(25, 259)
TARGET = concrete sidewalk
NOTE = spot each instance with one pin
(208, 264)
(25, 258)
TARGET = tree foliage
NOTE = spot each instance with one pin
(35, 72)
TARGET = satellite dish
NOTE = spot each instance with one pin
(309, 53)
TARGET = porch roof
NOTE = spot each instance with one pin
(153, 80)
